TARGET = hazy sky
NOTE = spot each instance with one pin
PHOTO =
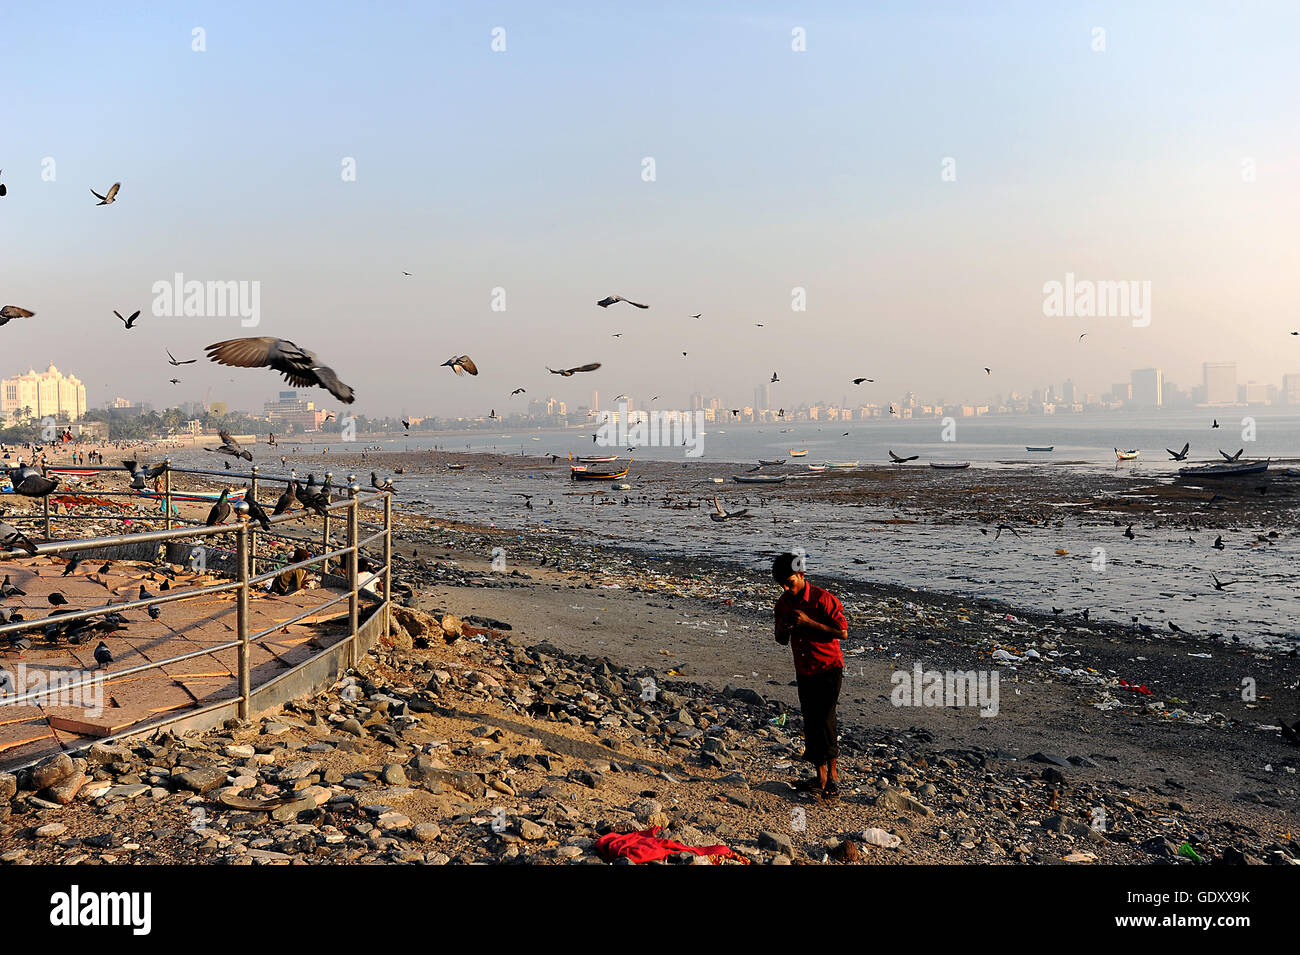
(774, 169)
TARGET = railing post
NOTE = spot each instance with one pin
(245, 654)
(353, 578)
(388, 560)
(167, 495)
(325, 548)
(252, 538)
(45, 503)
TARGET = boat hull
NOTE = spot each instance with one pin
(1221, 471)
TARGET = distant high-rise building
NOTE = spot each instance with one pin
(1147, 387)
(1067, 391)
(595, 401)
(1123, 391)
(1220, 382)
(1291, 389)
(47, 393)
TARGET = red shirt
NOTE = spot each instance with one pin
(813, 652)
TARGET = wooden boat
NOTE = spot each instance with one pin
(1049, 447)
(1126, 455)
(609, 459)
(797, 454)
(758, 478)
(771, 464)
(455, 467)
(1225, 470)
(842, 465)
(817, 468)
(949, 465)
(580, 473)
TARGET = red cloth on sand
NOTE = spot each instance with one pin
(647, 846)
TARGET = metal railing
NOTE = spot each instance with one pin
(246, 534)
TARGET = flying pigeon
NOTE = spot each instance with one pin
(111, 197)
(231, 447)
(29, 482)
(128, 322)
(461, 364)
(298, 365)
(10, 312)
(570, 372)
(611, 299)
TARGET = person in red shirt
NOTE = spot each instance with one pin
(812, 622)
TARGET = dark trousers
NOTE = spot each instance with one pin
(818, 696)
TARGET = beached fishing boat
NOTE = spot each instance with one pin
(842, 465)
(758, 478)
(1126, 455)
(608, 459)
(1050, 447)
(455, 467)
(797, 454)
(949, 465)
(1219, 471)
(817, 468)
(581, 473)
(771, 464)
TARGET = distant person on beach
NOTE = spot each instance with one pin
(291, 581)
(812, 622)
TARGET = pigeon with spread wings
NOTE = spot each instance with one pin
(609, 300)
(110, 197)
(10, 312)
(461, 364)
(570, 372)
(298, 365)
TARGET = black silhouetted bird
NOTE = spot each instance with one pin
(1128, 532)
(1180, 455)
(570, 372)
(1231, 457)
(128, 322)
(900, 460)
(57, 599)
(609, 300)
(171, 359)
(103, 655)
(71, 568)
(1218, 543)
